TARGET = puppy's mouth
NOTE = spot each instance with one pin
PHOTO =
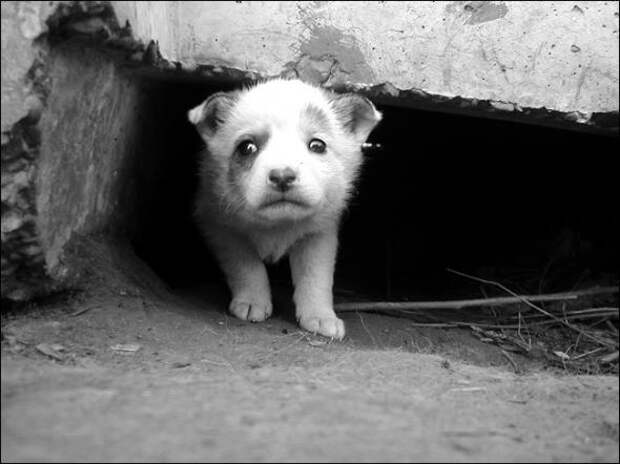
(283, 202)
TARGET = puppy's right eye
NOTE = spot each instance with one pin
(247, 148)
(317, 146)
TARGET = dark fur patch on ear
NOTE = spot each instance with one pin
(356, 114)
(210, 114)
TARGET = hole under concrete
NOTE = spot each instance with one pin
(497, 199)
(530, 206)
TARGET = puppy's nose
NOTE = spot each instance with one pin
(282, 179)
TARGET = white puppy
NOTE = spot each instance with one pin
(280, 161)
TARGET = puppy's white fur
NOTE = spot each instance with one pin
(247, 221)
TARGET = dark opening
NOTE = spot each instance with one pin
(164, 234)
(530, 206)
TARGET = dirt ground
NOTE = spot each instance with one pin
(203, 386)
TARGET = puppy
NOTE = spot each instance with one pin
(280, 161)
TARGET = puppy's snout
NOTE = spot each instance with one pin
(282, 179)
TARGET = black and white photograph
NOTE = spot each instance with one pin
(310, 231)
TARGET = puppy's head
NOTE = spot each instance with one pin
(283, 150)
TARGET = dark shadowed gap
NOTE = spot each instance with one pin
(528, 205)
(533, 207)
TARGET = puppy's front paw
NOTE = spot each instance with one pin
(250, 311)
(328, 326)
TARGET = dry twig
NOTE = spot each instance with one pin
(532, 305)
(459, 304)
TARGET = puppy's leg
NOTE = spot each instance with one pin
(246, 276)
(312, 267)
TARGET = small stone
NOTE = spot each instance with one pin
(48, 350)
(502, 106)
(30, 23)
(578, 116)
(11, 222)
(15, 344)
(90, 26)
(35, 107)
(180, 365)
(574, 48)
(126, 348)
(317, 343)
(389, 89)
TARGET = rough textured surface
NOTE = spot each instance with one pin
(205, 387)
(24, 92)
(91, 127)
(558, 55)
(23, 265)
(60, 106)
(22, 23)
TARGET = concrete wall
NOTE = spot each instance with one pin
(91, 127)
(22, 23)
(23, 264)
(559, 55)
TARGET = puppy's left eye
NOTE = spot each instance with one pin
(247, 148)
(317, 146)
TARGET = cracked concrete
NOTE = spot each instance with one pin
(402, 43)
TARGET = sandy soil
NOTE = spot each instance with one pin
(205, 387)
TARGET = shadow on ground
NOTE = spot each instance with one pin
(204, 386)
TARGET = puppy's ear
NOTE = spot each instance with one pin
(211, 113)
(357, 114)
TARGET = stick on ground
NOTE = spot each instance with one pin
(530, 304)
(459, 304)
